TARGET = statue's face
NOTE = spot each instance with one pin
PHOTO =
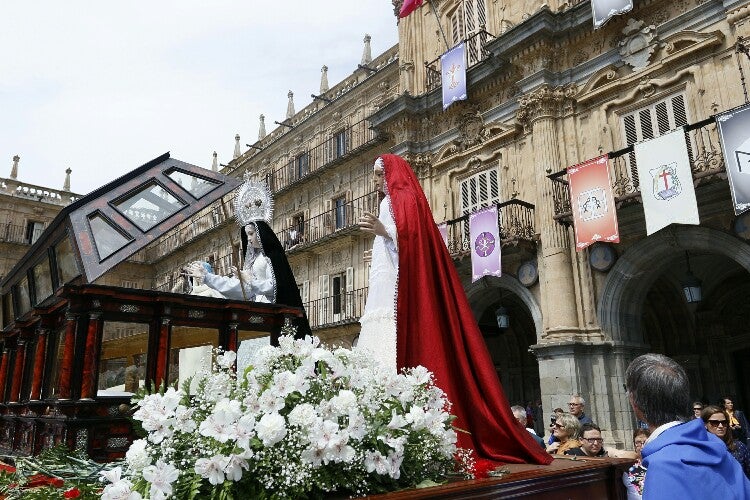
(377, 178)
(253, 238)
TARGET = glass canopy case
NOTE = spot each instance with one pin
(100, 230)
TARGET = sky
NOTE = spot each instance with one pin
(102, 87)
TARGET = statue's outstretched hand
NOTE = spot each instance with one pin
(194, 270)
(369, 223)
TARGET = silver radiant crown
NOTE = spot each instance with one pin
(253, 202)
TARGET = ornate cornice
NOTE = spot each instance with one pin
(546, 102)
(420, 162)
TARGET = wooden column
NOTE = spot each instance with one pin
(4, 373)
(93, 345)
(162, 353)
(232, 339)
(15, 388)
(66, 364)
(39, 365)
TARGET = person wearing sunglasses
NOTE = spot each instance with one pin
(697, 409)
(592, 444)
(683, 459)
(717, 423)
(566, 431)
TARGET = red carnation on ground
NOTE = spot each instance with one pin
(72, 493)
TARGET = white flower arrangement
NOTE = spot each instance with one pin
(302, 422)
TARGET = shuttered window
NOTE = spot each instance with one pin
(468, 19)
(479, 191)
(650, 122)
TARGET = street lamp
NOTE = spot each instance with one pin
(503, 318)
(691, 285)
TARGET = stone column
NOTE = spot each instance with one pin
(538, 111)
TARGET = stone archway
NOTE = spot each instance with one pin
(517, 367)
(629, 281)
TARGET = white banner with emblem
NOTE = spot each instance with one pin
(666, 181)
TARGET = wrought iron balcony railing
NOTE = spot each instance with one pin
(340, 309)
(341, 145)
(475, 53)
(704, 151)
(341, 218)
(515, 219)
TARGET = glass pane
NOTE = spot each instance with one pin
(249, 343)
(191, 354)
(197, 186)
(107, 239)
(122, 365)
(24, 300)
(67, 268)
(149, 206)
(56, 345)
(42, 281)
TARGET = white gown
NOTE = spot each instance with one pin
(378, 333)
(261, 288)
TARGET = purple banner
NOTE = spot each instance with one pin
(453, 67)
(485, 243)
(443, 228)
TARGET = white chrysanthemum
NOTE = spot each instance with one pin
(137, 457)
(120, 490)
(303, 415)
(416, 417)
(271, 428)
(344, 402)
(220, 424)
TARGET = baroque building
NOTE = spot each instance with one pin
(545, 91)
(26, 210)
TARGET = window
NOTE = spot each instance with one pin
(479, 191)
(303, 165)
(651, 122)
(197, 186)
(33, 231)
(467, 20)
(107, 237)
(342, 143)
(149, 206)
(340, 204)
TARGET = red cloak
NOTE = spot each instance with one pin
(437, 329)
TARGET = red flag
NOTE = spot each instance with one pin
(592, 202)
(409, 6)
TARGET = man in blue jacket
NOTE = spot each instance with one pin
(681, 458)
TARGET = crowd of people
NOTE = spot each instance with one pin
(689, 455)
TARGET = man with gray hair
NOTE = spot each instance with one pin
(576, 408)
(682, 458)
(520, 413)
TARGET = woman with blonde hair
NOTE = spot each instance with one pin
(566, 431)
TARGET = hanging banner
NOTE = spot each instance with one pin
(443, 228)
(485, 243)
(453, 76)
(592, 202)
(408, 7)
(604, 10)
(734, 131)
(666, 181)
